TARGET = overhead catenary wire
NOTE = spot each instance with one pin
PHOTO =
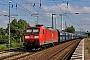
(72, 16)
(38, 12)
(65, 13)
(37, 7)
(19, 8)
(31, 14)
(14, 8)
(42, 18)
(25, 8)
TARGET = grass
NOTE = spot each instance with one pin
(3, 47)
(88, 49)
(13, 45)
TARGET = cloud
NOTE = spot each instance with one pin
(3, 12)
(49, 9)
(3, 19)
(62, 8)
(32, 0)
(3, 22)
(86, 19)
(86, 9)
(54, 8)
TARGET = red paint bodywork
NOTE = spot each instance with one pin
(46, 36)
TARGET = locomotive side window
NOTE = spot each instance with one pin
(43, 31)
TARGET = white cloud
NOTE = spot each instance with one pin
(33, 1)
(62, 7)
(53, 9)
(49, 10)
(86, 9)
(3, 19)
(3, 22)
(86, 19)
(3, 12)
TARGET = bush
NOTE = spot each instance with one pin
(3, 47)
(14, 44)
(88, 49)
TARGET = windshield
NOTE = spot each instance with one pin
(32, 31)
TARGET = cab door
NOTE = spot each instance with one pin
(42, 37)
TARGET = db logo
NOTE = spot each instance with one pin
(31, 36)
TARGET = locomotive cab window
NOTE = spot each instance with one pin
(36, 31)
(43, 31)
(32, 31)
(29, 31)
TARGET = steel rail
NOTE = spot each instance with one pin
(67, 55)
(58, 51)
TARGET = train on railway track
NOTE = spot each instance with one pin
(40, 36)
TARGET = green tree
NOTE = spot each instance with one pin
(21, 27)
(17, 29)
(70, 29)
(3, 37)
(13, 27)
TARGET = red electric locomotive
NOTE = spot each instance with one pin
(39, 36)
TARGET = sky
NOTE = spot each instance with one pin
(42, 10)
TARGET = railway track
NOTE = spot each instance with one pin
(79, 52)
(14, 54)
(64, 54)
(18, 49)
(1, 52)
(52, 53)
(59, 52)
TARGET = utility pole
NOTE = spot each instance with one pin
(61, 21)
(52, 21)
(37, 20)
(9, 26)
(65, 27)
(55, 23)
(80, 31)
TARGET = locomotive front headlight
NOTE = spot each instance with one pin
(36, 36)
(27, 36)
